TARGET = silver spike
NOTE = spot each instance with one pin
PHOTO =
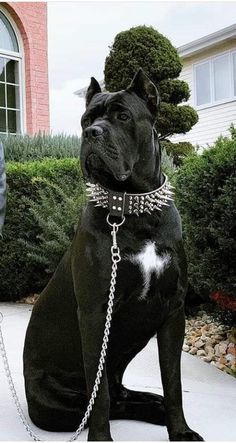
(147, 210)
(168, 192)
(157, 207)
(163, 197)
(90, 185)
(168, 198)
(151, 199)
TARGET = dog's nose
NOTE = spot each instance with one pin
(93, 131)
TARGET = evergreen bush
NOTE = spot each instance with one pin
(206, 189)
(168, 166)
(22, 148)
(56, 212)
(34, 192)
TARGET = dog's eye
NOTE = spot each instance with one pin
(123, 116)
(86, 122)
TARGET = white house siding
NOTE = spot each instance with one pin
(214, 120)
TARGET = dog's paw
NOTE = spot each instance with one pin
(187, 435)
(99, 436)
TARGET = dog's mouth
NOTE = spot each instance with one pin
(101, 171)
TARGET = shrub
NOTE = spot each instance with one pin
(144, 47)
(20, 273)
(168, 166)
(178, 151)
(21, 148)
(56, 212)
(206, 186)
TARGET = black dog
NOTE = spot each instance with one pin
(120, 153)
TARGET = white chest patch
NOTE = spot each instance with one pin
(149, 262)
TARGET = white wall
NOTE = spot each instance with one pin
(214, 120)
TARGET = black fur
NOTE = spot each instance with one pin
(63, 340)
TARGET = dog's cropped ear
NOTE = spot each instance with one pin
(145, 89)
(94, 88)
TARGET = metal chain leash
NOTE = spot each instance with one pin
(12, 386)
(116, 258)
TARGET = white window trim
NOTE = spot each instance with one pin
(210, 60)
(20, 57)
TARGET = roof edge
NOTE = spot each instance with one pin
(207, 41)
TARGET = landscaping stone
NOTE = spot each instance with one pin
(199, 343)
(193, 351)
(201, 353)
(211, 341)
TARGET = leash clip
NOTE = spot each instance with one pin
(115, 250)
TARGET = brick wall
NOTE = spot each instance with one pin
(31, 21)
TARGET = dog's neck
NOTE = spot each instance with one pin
(146, 176)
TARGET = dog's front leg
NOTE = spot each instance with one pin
(170, 340)
(92, 328)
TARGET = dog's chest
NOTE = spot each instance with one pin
(150, 263)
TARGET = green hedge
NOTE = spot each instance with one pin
(27, 183)
(206, 197)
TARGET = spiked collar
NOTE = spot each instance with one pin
(122, 203)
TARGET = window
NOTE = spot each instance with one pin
(10, 88)
(215, 80)
(203, 87)
(221, 72)
(234, 71)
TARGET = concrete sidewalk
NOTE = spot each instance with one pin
(209, 394)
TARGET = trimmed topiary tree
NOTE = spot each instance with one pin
(178, 151)
(144, 47)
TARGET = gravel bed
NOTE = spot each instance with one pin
(211, 340)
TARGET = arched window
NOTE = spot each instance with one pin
(10, 79)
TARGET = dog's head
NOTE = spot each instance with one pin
(117, 128)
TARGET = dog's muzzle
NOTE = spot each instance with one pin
(92, 131)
